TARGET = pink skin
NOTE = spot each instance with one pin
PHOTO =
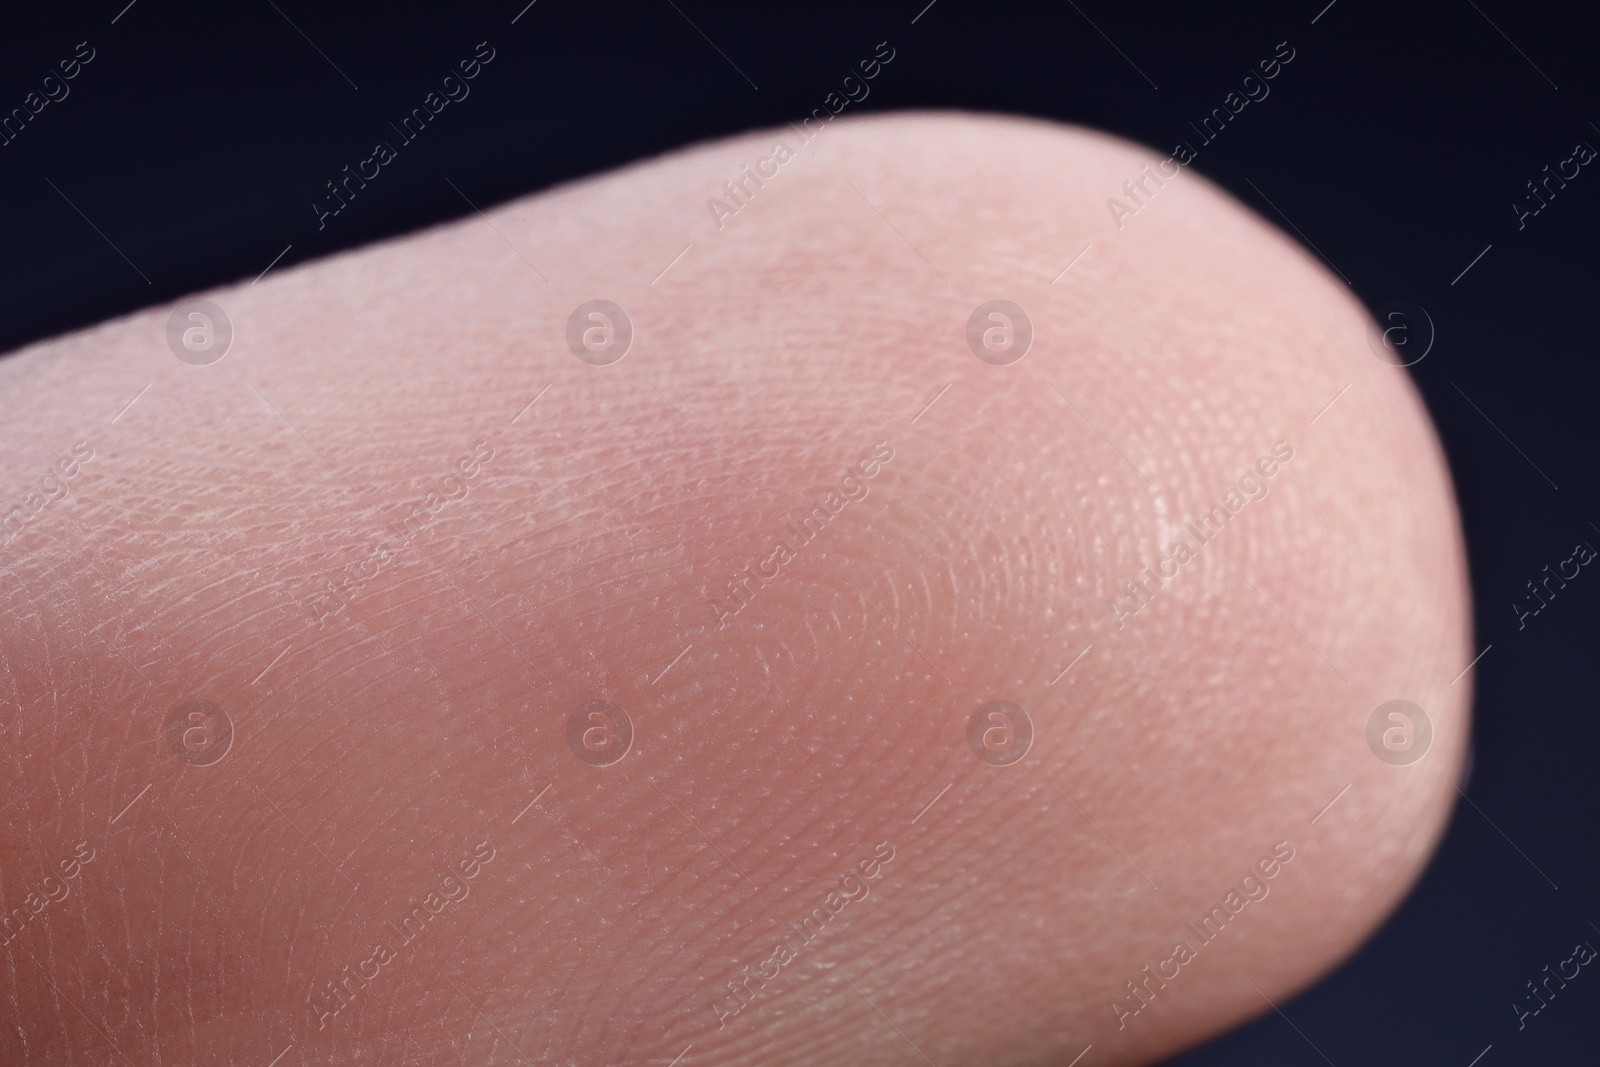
(374, 747)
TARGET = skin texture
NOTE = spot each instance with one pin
(377, 746)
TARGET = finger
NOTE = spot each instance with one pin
(459, 671)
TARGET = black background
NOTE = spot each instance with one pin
(198, 138)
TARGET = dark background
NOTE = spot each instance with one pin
(197, 140)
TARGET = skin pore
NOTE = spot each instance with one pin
(414, 555)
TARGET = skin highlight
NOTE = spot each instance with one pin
(419, 720)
